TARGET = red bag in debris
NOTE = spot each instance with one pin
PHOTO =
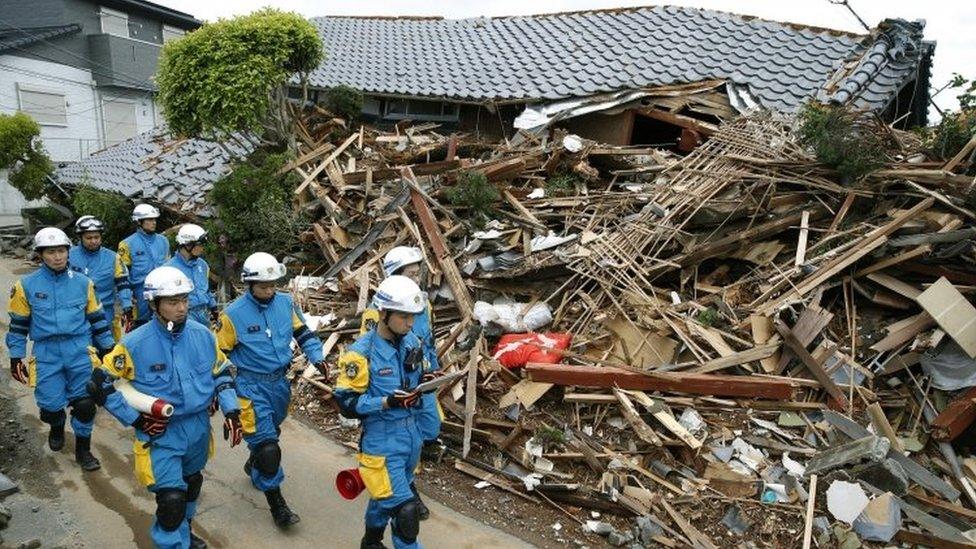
(516, 350)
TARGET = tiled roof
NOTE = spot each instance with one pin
(13, 39)
(176, 173)
(549, 57)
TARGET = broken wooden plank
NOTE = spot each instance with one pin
(762, 333)
(881, 425)
(953, 312)
(922, 539)
(801, 245)
(736, 359)
(471, 394)
(905, 333)
(895, 285)
(660, 413)
(811, 503)
(811, 323)
(491, 478)
(811, 363)
(674, 382)
(324, 164)
(958, 415)
(641, 428)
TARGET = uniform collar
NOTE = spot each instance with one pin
(188, 262)
(257, 303)
(51, 273)
(86, 251)
(162, 332)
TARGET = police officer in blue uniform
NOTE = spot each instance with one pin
(406, 261)
(141, 252)
(256, 332)
(104, 267)
(179, 362)
(190, 239)
(58, 309)
(377, 380)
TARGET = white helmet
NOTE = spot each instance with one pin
(89, 224)
(144, 211)
(400, 257)
(262, 267)
(166, 281)
(190, 234)
(399, 293)
(50, 237)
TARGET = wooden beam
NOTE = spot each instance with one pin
(736, 359)
(811, 363)
(958, 415)
(928, 540)
(471, 394)
(641, 428)
(325, 163)
(657, 409)
(811, 503)
(801, 244)
(672, 382)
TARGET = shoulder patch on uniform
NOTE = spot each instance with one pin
(351, 369)
(119, 362)
(370, 324)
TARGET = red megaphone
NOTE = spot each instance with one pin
(349, 483)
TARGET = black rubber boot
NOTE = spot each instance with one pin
(55, 439)
(373, 539)
(196, 542)
(283, 516)
(432, 450)
(421, 507)
(84, 456)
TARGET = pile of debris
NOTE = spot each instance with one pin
(728, 345)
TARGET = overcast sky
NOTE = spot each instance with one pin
(952, 23)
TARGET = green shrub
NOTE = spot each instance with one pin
(344, 101)
(253, 207)
(562, 183)
(840, 142)
(474, 192)
(22, 153)
(113, 209)
(708, 316)
(952, 133)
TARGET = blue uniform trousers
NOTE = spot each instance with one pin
(62, 368)
(390, 454)
(264, 400)
(182, 450)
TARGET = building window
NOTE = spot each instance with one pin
(418, 109)
(114, 22)
(119, 117)
(47, 107)
(172, 33)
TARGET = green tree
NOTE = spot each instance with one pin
(113, 209)
(230, 78)
(253, 207)
(21, 152)
(345, 101)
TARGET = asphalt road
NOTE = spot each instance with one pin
(63, 506)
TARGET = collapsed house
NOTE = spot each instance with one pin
(624, 76)
(663, 76)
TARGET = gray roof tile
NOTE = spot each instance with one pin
(578, 54)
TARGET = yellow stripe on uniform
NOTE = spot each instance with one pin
(226, 334)
(118, 362)
(18, 301)
(144, 471)
(93, 304)
(220, 363)
(124, 254)
(353, 372)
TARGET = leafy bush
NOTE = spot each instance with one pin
(840, 142)
(22, 153)
(474, 192)
(562, 183)
(253, 206)
(113, 209)
(231, 76)
(956, 128)
(344, 101)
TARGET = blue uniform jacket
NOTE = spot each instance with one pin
(46, 305)
(198, 271)
(142, 253)
(422, 328)
(185, 369)
(371, 369)
(257, 336)
(104, 267)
